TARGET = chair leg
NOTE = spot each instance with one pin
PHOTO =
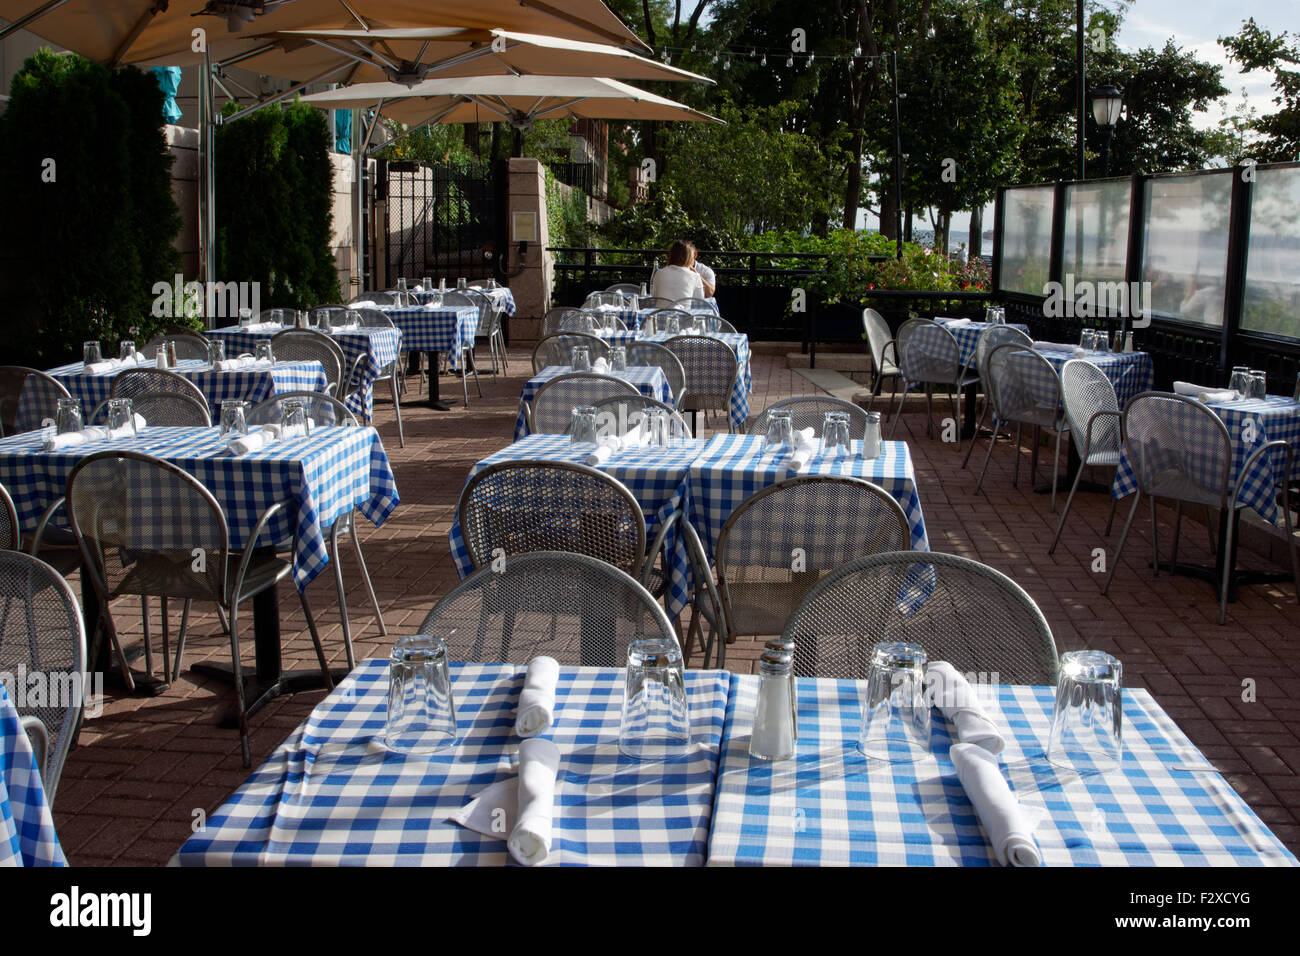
(1227, 568)
(1015, 478)
(464, 378)
(1033, 455)
(1178, 527)
(165, 637)
(955, 397)
(1123, 536)
(148, 638)
(1110, 520)
(1155, 539)
(1056, 468)
(1209, 530)
(397, 405)
(1290, 536)
(474, 369)
(974, 439)
(180, 639)
(1060, 525)
(315, 639)
(902, 397)
(365, 577)
(987, 455)
(239, 686)
(929, 415)
(336, 560)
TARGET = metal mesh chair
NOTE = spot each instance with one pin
(618, 414)
(696, 305)
(884, 351)
(783, 539)
(1092, 409)
(324, 411)
(286, 318)
(309, 345)
(958, 610)
(551, 321)
(655, 302)
(597, 299)
(928, 355)
(671, 321)
(1180, 450)
(378, 298)
(711, 370)
(654, 355)
(558, 349)
(172, 409)
(706, 602)
(490, 328)
(187, 346)
(11, 535)
(1024, 390)
(625, 288)
(27, 399)
(338, 315)
(41, 631)
(990, 339)
(809, 411)
(552, 407)
(458, 300)
(518, 506)
(577, 609)
(141, 524)
(138, 382)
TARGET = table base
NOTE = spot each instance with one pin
(258, 691)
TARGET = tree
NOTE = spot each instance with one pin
(1257, 49)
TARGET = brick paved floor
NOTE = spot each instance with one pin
(148, 768)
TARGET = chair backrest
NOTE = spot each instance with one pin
(521, 506)
(374, 319)
(187, 346)
(41, 631)
(666, 320)
(990, 339)
(11, 534)
(172, 410)
(878, 337)
(488, 313)
(137, 382)
(1086, 390)
(322, 410)
(458, 298)
(1178, 448)
(809, 411)
(655, 302)
(618, 414)
(354, 379)
(1023, 386)
(711, 370)
(696, 305)
(28, 398)
(378, 298)
(336, 312)
(278, 316)
(551, 321)
(307, 345)
(625, 288)
(558, 349)
(584, 320)
(552, 408)
(783, 539)
(597, 299)
(652, 355)
(574, 608)
(927, 352)
(958, 610)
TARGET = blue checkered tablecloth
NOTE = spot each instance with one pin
(968, 335)
(254, 384)
(650, 382)
(732, 467)
(657, 478)
(1251, 422)
(380, 346)
(1130, 372)
(1166, 806)
(501, 297)
(27, 836)
(333, 795)
(322, 477)
(435, 329)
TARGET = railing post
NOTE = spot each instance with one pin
(1235, 281)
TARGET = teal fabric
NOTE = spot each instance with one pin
(169, 79)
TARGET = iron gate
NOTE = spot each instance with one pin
(443, 221)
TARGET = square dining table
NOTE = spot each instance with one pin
(1130, 372)
(967, 332)
(832, 806)
(380, 346)
(333, 794)
(649, 381)
(656, 477)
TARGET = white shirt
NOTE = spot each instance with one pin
(706, 274)
(676, 283)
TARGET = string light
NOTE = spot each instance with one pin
(763, 62)
(789, 61)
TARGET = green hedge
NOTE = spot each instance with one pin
(89, 219)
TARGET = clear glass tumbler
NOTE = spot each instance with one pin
(896, 722)
(618, 360)
(1088, 717)
(234, 420)
(67, 416)
(655, 425)
(121, 417)
(1258, 383)
(421, 716)
(216, 352)
(265, 353)
(582, 427)
(126, 350)
(779, 439)
(1240, 381)
(293, 419)
(91, 353)
(656, 722)
(835, 434)
(580, 360)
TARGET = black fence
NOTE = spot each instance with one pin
(578, 175)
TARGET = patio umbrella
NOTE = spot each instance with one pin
(517, 100)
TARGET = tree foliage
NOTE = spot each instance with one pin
(1259, 49)
(89, 217)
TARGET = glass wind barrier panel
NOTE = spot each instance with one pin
(1185, 248)
(1026, 239)
(1095, 246)
(1272, 302)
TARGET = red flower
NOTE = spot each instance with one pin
(871, 285)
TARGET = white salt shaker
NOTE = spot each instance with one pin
(871, 440)
(773, 735)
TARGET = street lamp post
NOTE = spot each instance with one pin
(1107, 101)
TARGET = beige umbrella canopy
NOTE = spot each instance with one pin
(518, 100)
(161, 31)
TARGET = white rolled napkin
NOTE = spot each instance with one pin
(89, 434)
(999, 811)
(611, 445)
(600, 366)
(957, 701)
(805, 446)
(537, 699)
(234, 364)
(1204, 393)
(255, 440)
(367, 304)
(1054, 346)
(519, 810)
(955, 323)
(107, 365)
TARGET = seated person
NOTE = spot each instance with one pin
(707, 275)
(678, 280)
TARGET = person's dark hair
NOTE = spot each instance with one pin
(680, 253)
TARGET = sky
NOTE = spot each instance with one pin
(1194, 25)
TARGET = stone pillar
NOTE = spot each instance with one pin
(183, 143)
(532, 287)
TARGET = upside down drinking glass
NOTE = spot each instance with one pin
(896, 722)
(1087, 719)
(656, 724)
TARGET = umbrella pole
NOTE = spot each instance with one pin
(207, 185)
